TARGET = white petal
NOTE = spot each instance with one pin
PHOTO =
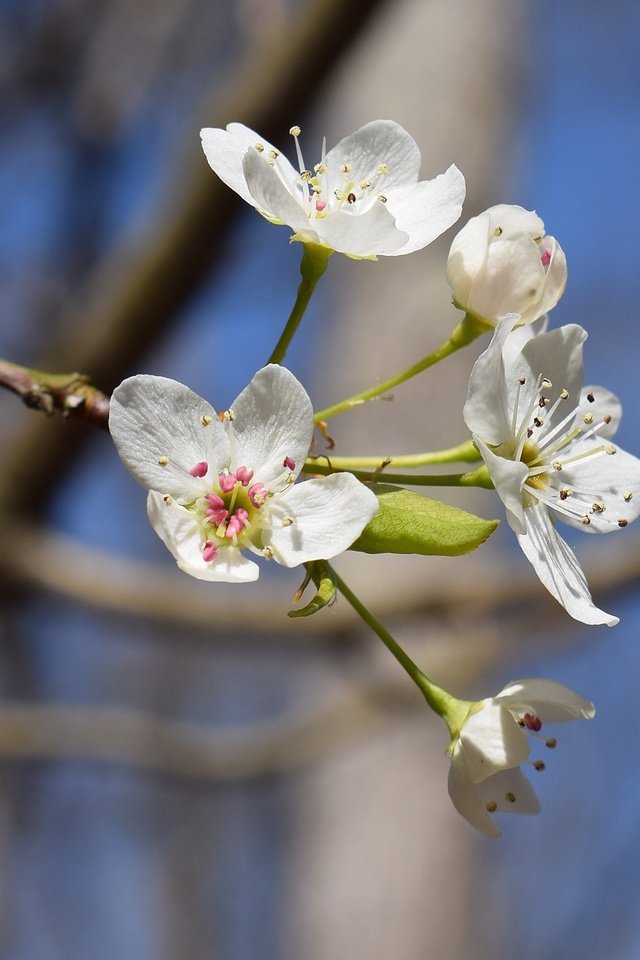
(376, 143)
(225, 151)
(607, 479)
(362, 234)
(506, 785)
(512, 280)
(508, 477)
(490, 740)
(556, 279)
(273, 419)
(552, 702)
(508, 790)
(466, 799)
(425, 210)
(485, 411)
(180, 533)
(558, 569)
(272, 197)
(557, 355)
(328, 515)
(151, 418)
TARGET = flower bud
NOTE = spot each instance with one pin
(501, 262)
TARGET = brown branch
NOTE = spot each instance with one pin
(70, 394)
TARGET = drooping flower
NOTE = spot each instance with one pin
(502, 262)
(362, 198)
(546, 442)
(493, 741)
(221, 485)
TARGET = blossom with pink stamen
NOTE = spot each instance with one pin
(246, 500)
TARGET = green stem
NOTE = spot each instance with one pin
(473, 478)
(440, 701)
(463, 334)
(465, 452)
(313, 264)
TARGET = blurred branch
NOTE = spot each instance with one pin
(196, 751)
(32, 556)
(136, 295)
(181, 749)
(70, 394)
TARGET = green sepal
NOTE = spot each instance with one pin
(408, 522)
(324, 578)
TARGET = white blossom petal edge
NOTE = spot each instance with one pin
(362, 198)
(546, 442)
(220, 485)
(493, 742)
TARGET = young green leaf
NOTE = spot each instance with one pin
(408, 522)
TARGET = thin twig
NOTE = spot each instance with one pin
(70, 394)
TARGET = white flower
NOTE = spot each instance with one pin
(362, 198)
(546, 442)
(493, 741)
(220, 485)
(502, 262)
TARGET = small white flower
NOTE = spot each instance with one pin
(362, 198)
(494, 740)
(546, 442)
(220, 485)
(502, 262)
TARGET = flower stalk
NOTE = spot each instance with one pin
(472, 478)
(464, 333)
(312, 266)
(451, 710)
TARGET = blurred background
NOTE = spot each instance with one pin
(186, 773)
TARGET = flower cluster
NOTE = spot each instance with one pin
(224, 485)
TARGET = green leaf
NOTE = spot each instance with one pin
(408, 522)
(324, 578)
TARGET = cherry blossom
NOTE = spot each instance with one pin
(219, 485)
(362, 198)
(546, 441)
(493, 742)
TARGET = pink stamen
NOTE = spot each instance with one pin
(243, 515)
(258, 494)
(214, 500)
(227, 482)
(320, 205)
(289, 463)
(546, 257)
(532, 722)
(217, 515)
(234, 526)
(200, 470)
(210, 551)
(244, 475)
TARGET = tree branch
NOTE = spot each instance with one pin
(70, 394)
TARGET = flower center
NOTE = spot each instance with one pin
(548, 445)
(326, 189)
(231, 512)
